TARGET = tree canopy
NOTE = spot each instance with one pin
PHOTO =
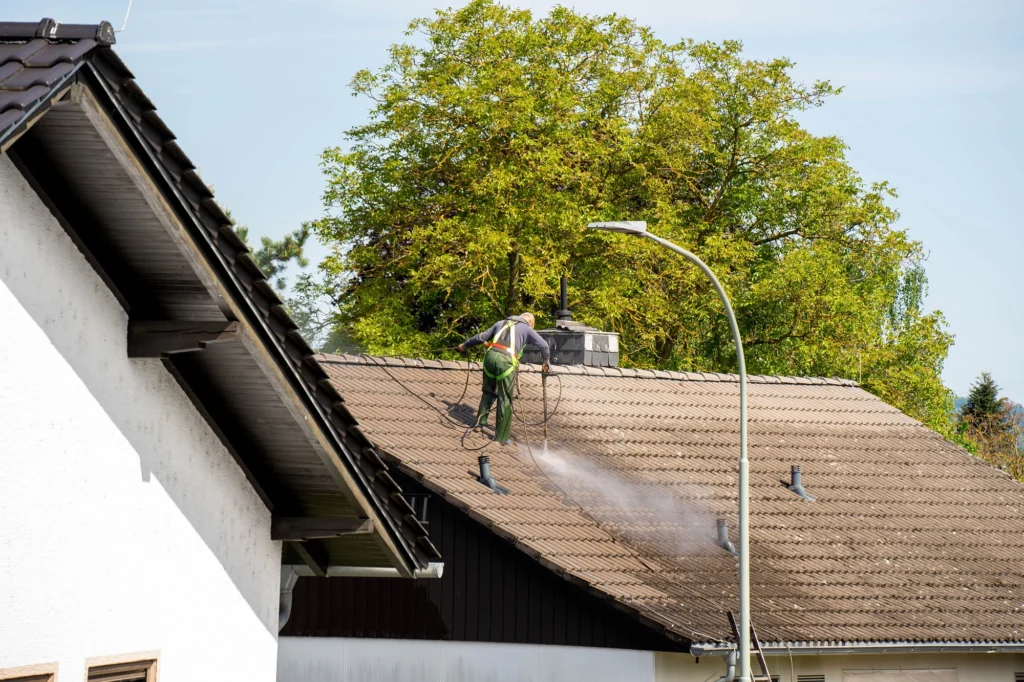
(994, 426)
(983, 399)
(494, 136)
(274, 255)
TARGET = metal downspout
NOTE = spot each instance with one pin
(730, 668)
(288, 579)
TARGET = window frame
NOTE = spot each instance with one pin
(110, 666)
(37, 672)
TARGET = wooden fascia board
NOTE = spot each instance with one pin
(254, 333)
(162, 338)
(316, 528)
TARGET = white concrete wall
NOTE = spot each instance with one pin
(125, 526)
(330, 659)
(966, 667)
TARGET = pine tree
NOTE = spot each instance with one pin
(994, 426)
(983, 402)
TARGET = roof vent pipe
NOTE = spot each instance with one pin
(723, 537)
(797, 486)
(563, 312)
(485, 475)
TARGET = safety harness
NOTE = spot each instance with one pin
(510, 327)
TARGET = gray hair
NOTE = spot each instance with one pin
(529, 318)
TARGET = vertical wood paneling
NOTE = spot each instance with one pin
(490, 592)
(472, 586)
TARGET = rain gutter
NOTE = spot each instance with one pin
(881, 647)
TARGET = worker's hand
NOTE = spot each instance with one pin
(462, 349)
(544, 368)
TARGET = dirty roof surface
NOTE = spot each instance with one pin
(910, 538)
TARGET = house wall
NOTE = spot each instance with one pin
(978, 667)
(125, 525)
(330, 659)
(490, 591)
(338, 659)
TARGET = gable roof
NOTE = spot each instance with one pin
(911, 539)
(87, 138)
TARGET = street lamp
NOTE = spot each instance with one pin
(639, 228)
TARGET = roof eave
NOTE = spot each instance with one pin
(410, 562)
(811, 648)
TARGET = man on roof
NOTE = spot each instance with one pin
(505, 341)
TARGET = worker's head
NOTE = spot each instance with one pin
(528, 317)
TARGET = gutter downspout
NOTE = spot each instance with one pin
(288, 579)
(731, 656)
(730, 668)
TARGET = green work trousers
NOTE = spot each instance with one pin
(496, 363)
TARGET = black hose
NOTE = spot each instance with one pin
(462, 441)
(449, 422)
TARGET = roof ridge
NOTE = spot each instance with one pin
(584, 370)
(49, 29)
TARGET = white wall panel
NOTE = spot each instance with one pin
(125, 525)
(337, 659)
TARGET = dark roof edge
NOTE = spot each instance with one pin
(422, 363)
(102, 33)
(825, 648)
(229, 255)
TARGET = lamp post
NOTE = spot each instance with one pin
(639, 228)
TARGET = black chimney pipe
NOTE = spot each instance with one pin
(563, 313)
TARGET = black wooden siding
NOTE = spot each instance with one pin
(490, 592)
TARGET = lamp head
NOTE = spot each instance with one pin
(637, 227)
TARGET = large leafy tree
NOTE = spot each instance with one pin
(495, 136)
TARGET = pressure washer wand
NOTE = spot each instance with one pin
(544, 397)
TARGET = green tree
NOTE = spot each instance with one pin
(495, 137)
(994, 426)
(983, 400)
(307, 302)
(274, 255)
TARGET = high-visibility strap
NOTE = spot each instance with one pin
(499, 377)
(510, 327)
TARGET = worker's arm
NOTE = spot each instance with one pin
(537, 340)
(482, 337)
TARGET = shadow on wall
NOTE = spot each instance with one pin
(175, 448)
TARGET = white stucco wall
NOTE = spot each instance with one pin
(125, 526)
(338, 659)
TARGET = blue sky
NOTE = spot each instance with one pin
(934, 93)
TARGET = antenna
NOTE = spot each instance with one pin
(126, 13)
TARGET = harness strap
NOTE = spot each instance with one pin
(499, 377)
(510, 327)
